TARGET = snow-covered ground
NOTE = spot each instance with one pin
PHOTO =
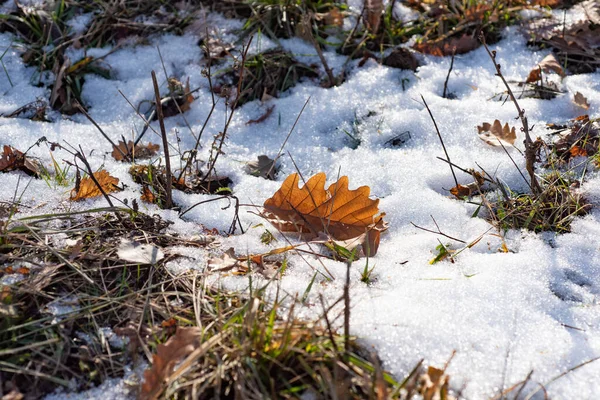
(505, 314)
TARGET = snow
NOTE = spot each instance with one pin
(505, 314)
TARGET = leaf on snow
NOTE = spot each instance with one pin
(446, 47)
(340, 213)
(228, 262)
(140, 253)
(138, 151)
(581, 101)
(180, 345)
(88, 189)
(264, 167)
(12, 159)
(496, 135)
(547, 65)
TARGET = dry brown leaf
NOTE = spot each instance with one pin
(147, 195)
(184, 342)
(547, 65)
(497, 135)
(446, 47)
(342, 214)
(460, 191)
(578, 151)
(228, 262)
(581, 101)
(332, 18)
(264, 167)
(12, 159)
(434, 384)
(88, 189)
(137, 152)
(401, 58)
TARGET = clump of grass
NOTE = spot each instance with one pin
(266, 74)
(289, 18)
(251, 348)
(551, 210)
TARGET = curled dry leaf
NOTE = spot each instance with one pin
(138, 151)
(182, 344)
(265, 167)
(547, 65)
(581, 101)
(12, 159)
(344, 215)
(497, 135)
(88, 189)
(460, 191)
(446, 47)
(228, 262)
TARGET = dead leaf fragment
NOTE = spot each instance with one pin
(228, 262)
(547, 65)
(373, 13)
(88, 189)
(340, 213)
(137, 152)
(446, 47)
(140, 253)
(265, 167)
(12, 159)
(184, 342)
(460, 191)
(497, 135)
(581, 101)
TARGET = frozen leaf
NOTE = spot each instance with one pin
(446, 47)
(12, 159)
(401, 58)
(547, 65)
(147, 195)
(228, 262)
(339, 213)
(179, 346)
(460, 191)
(581, 101)
(497, 135)
(136, 252)
(137, 152)
(88, 189)
(264, 167)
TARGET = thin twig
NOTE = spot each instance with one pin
(438, 232)
(84, 112)
(159, 113)
(449, 71)
(441, 140)
(530, 151)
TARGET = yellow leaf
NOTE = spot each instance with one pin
(88, 189)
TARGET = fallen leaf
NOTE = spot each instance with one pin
(147, 195)
(446, 47)
(340, 213)
(228, 262)
(497, 135)
(132, 251)
(401, 58)
(333, 17)
(578, 151)
(137, 152)
(265, 167)
(547, 65)
(581, 101)
(179, 346)
(12, 160)
(88, 189)
(460, 191)
(434, 384)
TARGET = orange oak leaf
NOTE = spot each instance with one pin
(497, 135)
(137, 152)
(180, 345)
(88, 189)
(147, 195)
(343, 215)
